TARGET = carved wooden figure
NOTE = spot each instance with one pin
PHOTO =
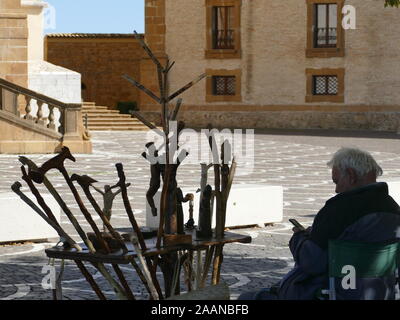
(190, 223)
(108, 199)
(204, 230)
(182, 199)
(156, 170)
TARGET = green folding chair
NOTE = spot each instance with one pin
(370, 260)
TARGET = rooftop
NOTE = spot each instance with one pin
(92, 35)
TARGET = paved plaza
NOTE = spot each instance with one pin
(295, 160)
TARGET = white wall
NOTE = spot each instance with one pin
(55, 81)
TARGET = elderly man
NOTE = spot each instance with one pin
(361, 211)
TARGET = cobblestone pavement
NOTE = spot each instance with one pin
(295, 160)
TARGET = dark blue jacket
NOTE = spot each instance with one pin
(366, 214)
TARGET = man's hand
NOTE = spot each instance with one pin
(295, 229)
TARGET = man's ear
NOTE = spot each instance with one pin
(351, 173)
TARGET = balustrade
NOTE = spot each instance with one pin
(40, 109)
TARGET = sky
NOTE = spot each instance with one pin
(94, 16)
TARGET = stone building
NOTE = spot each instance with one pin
(40, 103)
(278, 64)
(101, 59)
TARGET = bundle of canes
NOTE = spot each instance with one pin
(50, 219)
(223, 179)
(37, 174)
(86, 182)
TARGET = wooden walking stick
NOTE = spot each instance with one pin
(135, 226)
(182, 258)
(226, 179)
(85, 183)
(32, 166)
(219, 232)
(63, 205)
(188, 269)
(16, 188)
(218, 258)
(122, 184)
(90, 279)
(207, 263)
(147, 273)
(125, 292)
(58, 163)
(199, 268)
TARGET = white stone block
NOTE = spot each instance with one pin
(55, 81)
(394, 189)
(248, 204)
(18, 222)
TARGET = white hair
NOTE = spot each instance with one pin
(361, 161)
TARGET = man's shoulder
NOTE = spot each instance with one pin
(376, 193)
(374, 227)
(346, 208)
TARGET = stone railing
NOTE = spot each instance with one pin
(41, 110)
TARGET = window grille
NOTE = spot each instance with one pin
(325, 25)
(222, 28)
(325, 85)
(224, 85)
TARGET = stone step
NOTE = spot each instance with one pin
(100, 108)
(88, 106)
(88, 103)
(114, 123)
(102, 118)
(108, 116)
(117, 128)
(100, 111)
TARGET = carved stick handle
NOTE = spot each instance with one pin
(128, 207)
(64, 207)
(83, 209)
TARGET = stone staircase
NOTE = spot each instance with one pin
(101, 118)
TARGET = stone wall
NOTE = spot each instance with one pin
(273, 66)
(371, 120)
(273, 61)
(13, 42)
(101, 60)
(18, 139)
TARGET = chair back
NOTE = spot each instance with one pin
(370, 260)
